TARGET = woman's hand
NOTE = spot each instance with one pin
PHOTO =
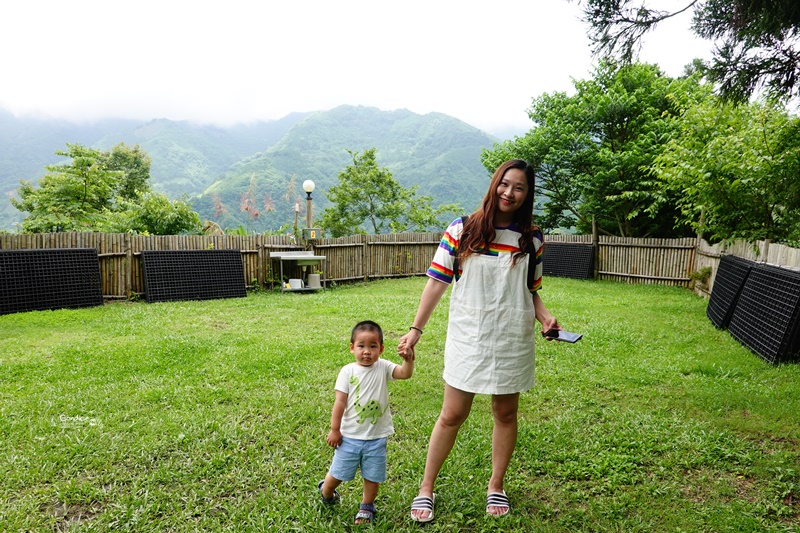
(406, 353)
(407, 342)
(551, 323)
(547, 320)
(548, 324)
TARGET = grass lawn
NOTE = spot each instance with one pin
(212, 416)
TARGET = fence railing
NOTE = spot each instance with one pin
(365, 257)
(662, 261)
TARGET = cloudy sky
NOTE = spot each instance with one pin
(247, 60)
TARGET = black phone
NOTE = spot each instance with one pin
(560, 335)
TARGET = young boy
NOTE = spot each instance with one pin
(361, 420)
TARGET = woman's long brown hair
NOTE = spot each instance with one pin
(479, 230)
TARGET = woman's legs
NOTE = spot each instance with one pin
(455, 410)
(504, 440)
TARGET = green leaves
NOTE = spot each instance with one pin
(369, 198)
(102, 191)
(739, 166)
(755, 42)
(593, 150)
(153, 214)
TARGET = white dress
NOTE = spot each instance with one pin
(491, 327)
(491, 332)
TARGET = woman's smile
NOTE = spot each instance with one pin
(511, 191)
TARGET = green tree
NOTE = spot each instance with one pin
(737, 171)
(368, 196)
(592, 150)
(97, 191)
(151, 213)
(756, 40)
(71, 196)
(134, 163)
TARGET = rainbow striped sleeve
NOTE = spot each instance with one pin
(538, 246)
(441, 268)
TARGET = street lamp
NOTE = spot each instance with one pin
(308, 186)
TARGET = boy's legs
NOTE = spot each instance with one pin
(343, 468)
(368, 501)
(370, 491)
(373, 468)
(329, 486)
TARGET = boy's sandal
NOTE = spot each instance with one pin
(366, 513)
(422, 503)
(333, 499)
(498, 499)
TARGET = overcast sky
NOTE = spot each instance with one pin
(247, 60)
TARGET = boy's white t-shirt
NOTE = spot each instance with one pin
(367, 415)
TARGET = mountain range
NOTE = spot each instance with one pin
(265, 163)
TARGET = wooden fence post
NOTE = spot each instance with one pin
(596, 247)
(765, 250)
(365, 258)
(259, 241)
(128, 266)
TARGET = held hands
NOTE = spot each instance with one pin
(406, 354)
(405, 348)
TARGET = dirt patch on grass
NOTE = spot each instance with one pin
(705, 486)
(70, 516)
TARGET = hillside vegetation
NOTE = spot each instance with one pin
(216, 167)
(438, 153)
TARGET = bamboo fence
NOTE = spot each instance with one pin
(365, 257)
(661, 261)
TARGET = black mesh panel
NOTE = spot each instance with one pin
(192, 275)
(37, 280)
(766, 317)
(568, 260)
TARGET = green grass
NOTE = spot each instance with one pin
(212, 416)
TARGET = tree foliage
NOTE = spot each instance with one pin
(369, 198)
(737, 171)
(71, 196)
(134, 164)
(592, 150)
(101, 191)
(756, 40)
(152, 214)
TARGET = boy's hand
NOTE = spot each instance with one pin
(408, 354)
(405, 347)
(334, 438)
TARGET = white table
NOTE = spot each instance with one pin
(301, 259)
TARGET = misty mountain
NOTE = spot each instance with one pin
(187, 157)
(28, 144)
(436, 152)
(216, 167)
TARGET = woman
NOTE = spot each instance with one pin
(491, 329)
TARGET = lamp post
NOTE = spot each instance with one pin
(296, 214)
(308, 186)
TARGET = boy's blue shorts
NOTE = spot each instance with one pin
(370, 455)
